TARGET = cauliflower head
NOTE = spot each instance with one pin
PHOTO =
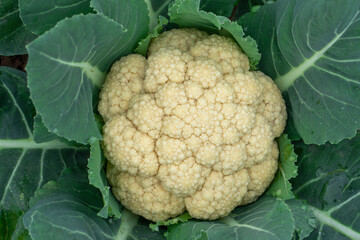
(190, 127)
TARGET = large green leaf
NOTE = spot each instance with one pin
(220, 7)
(290, 129)
(25, 164)
(156, 12)
(244, 7)
(67, 210)
(281, 187)
(157, 8)
(123, 12)
(39, 16)
(329, 180)
(311, 50)
(97, 178)
(41, 133)
(148, 14)
(144, 43)
(67, 65)
(304, 218)
(13, 33)
(187, 13)
(268, 218)
(11, 226)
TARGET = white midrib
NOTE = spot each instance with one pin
(56, 7)
(96, 76)
(20, 110)
(343, 203)
(326, 219)
(232, 222)
(154, 14)
(31, 144)
(128, 222)
(285, 81)
(26, 144)
(8, 14)
(6, 190)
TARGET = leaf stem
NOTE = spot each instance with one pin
(153, 15)
(22, 114)
(128, 222)
(31, 144)
(325, 218)
(343, 203)
(96, 76)
(285, 81)
(233, 223)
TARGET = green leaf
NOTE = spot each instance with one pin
(219, 7)
(72, 181)
(267, 218)
(67, 65)
(311, 50)
(16, 109)
(157, 8)
(144, 43)
(25, 164)
(67, 210)
(281, 187)
(304, 218)
(186, 13)
(39, 16)
(11, 226)
(290, 129)
(14, 35)
(41, 133)
(329, 180)
(122, 12)
(97, 178)
(180, 219)
(155, 22)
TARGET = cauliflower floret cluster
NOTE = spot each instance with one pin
(190, 127)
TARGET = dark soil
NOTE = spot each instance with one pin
(18, 61)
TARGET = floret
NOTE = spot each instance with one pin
(190, 127)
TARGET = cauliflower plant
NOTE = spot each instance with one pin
(190, 127)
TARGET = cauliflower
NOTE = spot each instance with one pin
(190, 127)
